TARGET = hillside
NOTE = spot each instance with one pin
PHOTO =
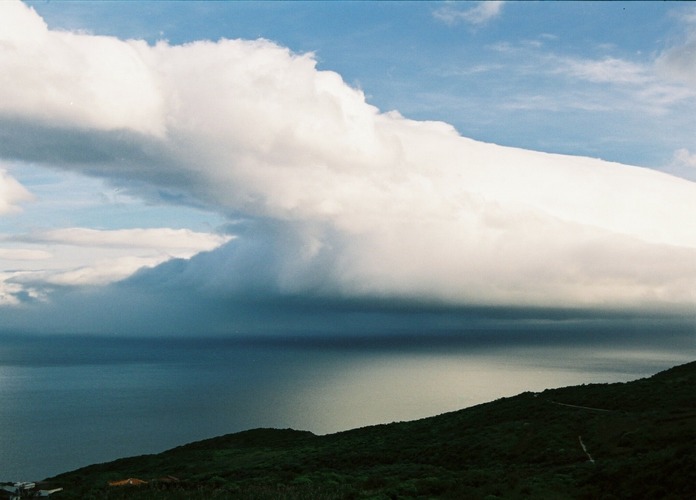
(630, 440)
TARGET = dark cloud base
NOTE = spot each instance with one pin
(654, 336)
(664, 334)
(229, 294)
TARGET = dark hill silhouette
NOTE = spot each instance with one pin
(597, 441)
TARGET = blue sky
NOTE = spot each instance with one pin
(369, 162)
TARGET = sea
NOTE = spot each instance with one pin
(70, 401)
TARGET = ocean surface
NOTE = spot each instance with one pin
(67, 402)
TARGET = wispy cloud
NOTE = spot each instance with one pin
(684, 157)
(15, 294)
(172, 240)
(478, 15)
(603, 83)
(629, 84)
(12, 193)
(606, 70)
(683, 164)
(95, 271)
(679, 61)
(23, 254)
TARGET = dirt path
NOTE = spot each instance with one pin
(584, 448)
(583, 407)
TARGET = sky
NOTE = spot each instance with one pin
(347, 168)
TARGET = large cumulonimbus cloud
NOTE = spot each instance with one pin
(341, 200)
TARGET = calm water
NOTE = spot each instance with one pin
(66, 403)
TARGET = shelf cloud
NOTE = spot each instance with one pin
(328, 197)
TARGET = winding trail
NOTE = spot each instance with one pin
(584, 448)
(583, 407)
(582, 444)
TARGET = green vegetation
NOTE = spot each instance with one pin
(641, 436)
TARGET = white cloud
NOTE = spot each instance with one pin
(23, 254)
(678, 62)
(478, 15)
(12, 193)
(347, 201)
(607, 70)
(87, 81)
(634, 84)
(172, 240)
(683, 164)
(684, 157)
(14, 294)
(666, 80)
(98, 272)
(83, 256)
(603, 84)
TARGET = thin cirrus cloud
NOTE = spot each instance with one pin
(607, 70)
(479, 14)
(684, 158)
(643, 83)
(679, 61)
(614, 94)
(607, 82)
(334, 199)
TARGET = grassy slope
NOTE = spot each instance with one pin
(526, 446)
